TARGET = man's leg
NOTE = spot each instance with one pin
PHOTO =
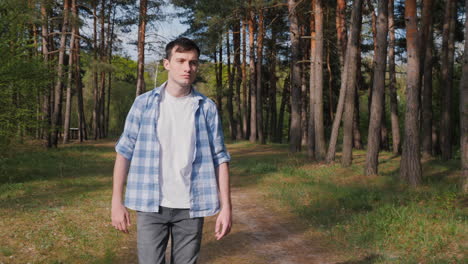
(152, 236)
(186, 237)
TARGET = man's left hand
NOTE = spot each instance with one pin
(223, 224)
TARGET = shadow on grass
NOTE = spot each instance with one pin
(367, 260)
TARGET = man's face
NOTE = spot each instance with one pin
(182, 67)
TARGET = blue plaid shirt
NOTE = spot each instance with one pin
(139, 144)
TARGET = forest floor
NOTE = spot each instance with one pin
(286, 209)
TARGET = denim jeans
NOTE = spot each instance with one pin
(154, 229)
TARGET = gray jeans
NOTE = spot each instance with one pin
(153, 230)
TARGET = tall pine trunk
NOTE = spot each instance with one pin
(351, 52)
(46, 109)
(318, 91)
(426, 48)
(410, 165)
(377, 105)
(464, 111)
(141, 48)
(60, 76)
(245, 109)
(392, 80)
(238, 78)
(253, 90)
(312, 83)
(71, 57)
(447, 55)
(259, 99)
(295, 127)
(230, 94)
(341, 38)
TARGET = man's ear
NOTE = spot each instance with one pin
(166, 64)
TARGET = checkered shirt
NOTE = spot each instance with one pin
(139, 144)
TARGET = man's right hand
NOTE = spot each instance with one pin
(120, 218)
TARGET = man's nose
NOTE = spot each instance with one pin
(187, 67)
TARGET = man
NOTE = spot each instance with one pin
(173, 159)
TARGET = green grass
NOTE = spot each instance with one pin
(57, 205)
(389, 221)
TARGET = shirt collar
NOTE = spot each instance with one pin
(157, 92)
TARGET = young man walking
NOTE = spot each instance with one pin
(173, 159)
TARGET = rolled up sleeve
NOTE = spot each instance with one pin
(126, 143)
(218, 149)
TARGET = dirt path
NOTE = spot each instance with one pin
(261, 236)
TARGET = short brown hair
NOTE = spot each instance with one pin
(182, 44)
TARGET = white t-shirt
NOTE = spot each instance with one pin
(176, 133)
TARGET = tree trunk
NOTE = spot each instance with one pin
(284, 103)
(351, 52)
(253, 90)
(245, 112)
(141, 48)
(357, 138)
(318, 93)
(95, 117)
(341, 31)
(311, 148)
(46, 109)
(110, 41)
(272, 91)
(238, 78)
(102, 89)
(392, 81)
(464, 111)
(71, 56)
(426, 49)
(58, 85)
(447, 55)
(259, 99)
(83, 134)
(230, 94)
(410, 165)
(295, 128)
(377, 106)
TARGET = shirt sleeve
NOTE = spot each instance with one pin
(218, 149)
(126, 143)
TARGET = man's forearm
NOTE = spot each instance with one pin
(224, 187)
(120, 176)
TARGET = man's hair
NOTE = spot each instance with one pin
(182, 44)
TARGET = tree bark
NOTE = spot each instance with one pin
(71, 56)
(284, 103)
(447, 57)
(245, 112)
(426, 48)
(141, 48)
(410, 165)
(318, 102)
(259, 99)
(392, 81)
(377, 105)
(46, 109)
(464, 111)
(230, 94)
(253, 90)
(238, 78)
(351, 52)
(272, 91)
(295, 128)
(311, 149)
(95, 117)
(341, 31)
(58, 85)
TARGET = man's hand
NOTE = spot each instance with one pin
(223, 224)
(120, 217)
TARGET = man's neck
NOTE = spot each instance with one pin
(177, 90)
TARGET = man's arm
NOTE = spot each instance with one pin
(224, 220)
(120, 215)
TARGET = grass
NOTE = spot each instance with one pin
(57, 205)
(378, 217)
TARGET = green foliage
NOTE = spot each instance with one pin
(22, 74)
